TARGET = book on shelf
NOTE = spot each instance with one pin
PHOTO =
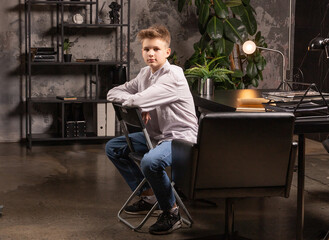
(43, 54)
(43, 60)
(66, 98)
(87, 60)
(44, 57)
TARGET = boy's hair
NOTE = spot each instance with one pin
(155, 31)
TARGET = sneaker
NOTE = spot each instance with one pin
(166, 223)
(140, 207)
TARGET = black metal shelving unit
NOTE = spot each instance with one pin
(63, 27)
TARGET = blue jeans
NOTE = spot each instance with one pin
(152, 166)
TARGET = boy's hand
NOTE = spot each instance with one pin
(146, 117)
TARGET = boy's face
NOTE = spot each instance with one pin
(155, 52)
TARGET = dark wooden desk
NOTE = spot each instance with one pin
(227, 101)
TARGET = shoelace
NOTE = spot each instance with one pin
(165, 216)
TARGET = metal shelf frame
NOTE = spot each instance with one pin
(61, 27)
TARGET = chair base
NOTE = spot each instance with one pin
(188, 221)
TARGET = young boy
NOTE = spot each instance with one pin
(161, 91)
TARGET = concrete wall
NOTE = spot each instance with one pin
(272, 16)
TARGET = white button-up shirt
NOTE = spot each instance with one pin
(167, 97)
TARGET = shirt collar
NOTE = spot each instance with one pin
(159, 71)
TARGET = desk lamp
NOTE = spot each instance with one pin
(249, 47)
(318, 44)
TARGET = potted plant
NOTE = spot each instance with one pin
(66, 48)
(224, 25)
(207, 75)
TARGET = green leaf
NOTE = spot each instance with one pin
(241, 85)
(238, 10)
(252, 70)
(224, 47)
(235, 30)
(237, 73)
(204, 13)
(257, 37)
(261, 63)
(246, 2)
(197, 3)
(233, 3)
(181, 4)
(249, 20)
(254, 82)
(215, 28)
(220, 9)
(260, 74)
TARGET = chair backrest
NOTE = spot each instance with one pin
(242, 155)
(130, 117)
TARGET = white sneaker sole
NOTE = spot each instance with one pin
(155, 213)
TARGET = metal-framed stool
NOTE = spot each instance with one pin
(130, 117)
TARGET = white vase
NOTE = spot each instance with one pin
(206, 88)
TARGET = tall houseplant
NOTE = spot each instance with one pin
(224, 25)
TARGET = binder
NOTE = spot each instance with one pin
(110, 120)
(101, 119)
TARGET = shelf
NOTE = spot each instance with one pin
(96, 76)
(56, 100)
(55, 137)
(80, 63)
(60, 2)
(97, 25)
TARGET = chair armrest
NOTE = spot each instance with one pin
(184, 156)
(293, 154)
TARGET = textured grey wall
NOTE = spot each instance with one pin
(272, 16)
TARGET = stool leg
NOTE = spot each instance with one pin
(180, 203)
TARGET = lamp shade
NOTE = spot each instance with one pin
(249, 47)
(317, 43)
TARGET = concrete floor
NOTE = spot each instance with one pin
(73, 192)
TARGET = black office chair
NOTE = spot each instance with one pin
(236, 155)
(131, 120)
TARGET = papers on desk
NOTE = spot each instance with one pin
(251, 104)
(293, 96)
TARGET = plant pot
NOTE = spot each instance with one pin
(206, 87)
(67, 57)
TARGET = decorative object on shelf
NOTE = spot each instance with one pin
(66, 48)
(100, 15)
(78, 18)
(249, 47)
(114, 13)
(207, 75)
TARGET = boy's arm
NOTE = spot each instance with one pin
(123, 92)
(162, 92)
